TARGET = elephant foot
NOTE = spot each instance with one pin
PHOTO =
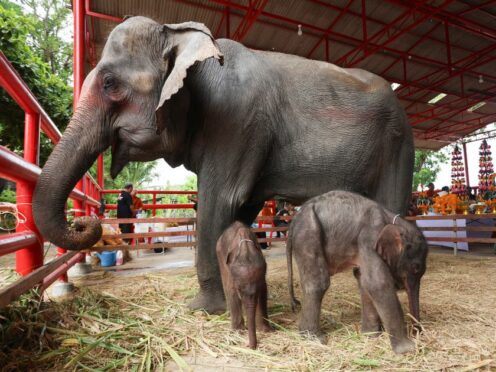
(403, 347)
(238, 326)
(212, 302)
(295, 304)
(319, 335)
(372, 330)
(265, 327)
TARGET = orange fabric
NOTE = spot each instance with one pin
(137, 203)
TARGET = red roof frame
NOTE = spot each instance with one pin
(407, 38)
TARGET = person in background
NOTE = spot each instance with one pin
(125, 209)
(413, 209)
(194, 199)
(471, 194)
(287, 210)
(430, 193)
(137, 203)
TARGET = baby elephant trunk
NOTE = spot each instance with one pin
(413, 290)
(250, 304)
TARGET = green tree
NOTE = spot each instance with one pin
(18, 42)
(51, 18)
(427, 165)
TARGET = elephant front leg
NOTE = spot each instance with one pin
(262, 311)
(376, 280)
(212, 219)
(371, 322)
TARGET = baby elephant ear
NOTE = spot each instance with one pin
(188, 43)
(389, 244)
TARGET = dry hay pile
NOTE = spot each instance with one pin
(143, 324)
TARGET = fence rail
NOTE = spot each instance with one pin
(27, 242)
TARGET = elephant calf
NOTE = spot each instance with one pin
(242, 266)
(341, 230)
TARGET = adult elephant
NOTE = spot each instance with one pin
(261, 125)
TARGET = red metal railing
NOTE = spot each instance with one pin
(154, 206)
(27, 242)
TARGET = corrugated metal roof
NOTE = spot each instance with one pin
(402, 43)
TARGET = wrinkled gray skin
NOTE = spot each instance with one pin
(242, 267)
(342, 230)
(261, 125)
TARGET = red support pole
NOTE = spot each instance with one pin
(31, 257)
(154, 212)
(228, 23)
(99, 172)
(78, 9)
(465, 160)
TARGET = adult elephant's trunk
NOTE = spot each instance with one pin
(82, 142)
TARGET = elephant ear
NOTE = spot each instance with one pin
(389, 244)
(189, 42)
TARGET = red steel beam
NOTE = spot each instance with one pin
(164, 192)
(471, 7)
(329, 29)
(60, 271)
(453, 19)
(476, 61)
(341, 38)
(16, 169)
(440, 129)
(30, 257)
(89, 12)
(22, 285)
(158, 206)
(377, 21)
(20, 92)
(12, 242)
(256, 7)
(418, 59)
(472, 97)
(401, 31)
(438, 126)
(218, 28)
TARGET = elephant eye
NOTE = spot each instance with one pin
(109, 83)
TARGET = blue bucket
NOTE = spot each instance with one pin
(107, 258)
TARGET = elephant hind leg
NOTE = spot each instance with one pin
(315, 281)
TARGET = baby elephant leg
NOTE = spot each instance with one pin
(314, 277)
(262, 312)
(376, 280)
(235, 309)
(371, 322)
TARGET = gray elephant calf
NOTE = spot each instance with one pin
(341, 230)
(242, 267)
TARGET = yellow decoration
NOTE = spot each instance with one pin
(445, 204)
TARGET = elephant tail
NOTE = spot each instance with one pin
(289, 258)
